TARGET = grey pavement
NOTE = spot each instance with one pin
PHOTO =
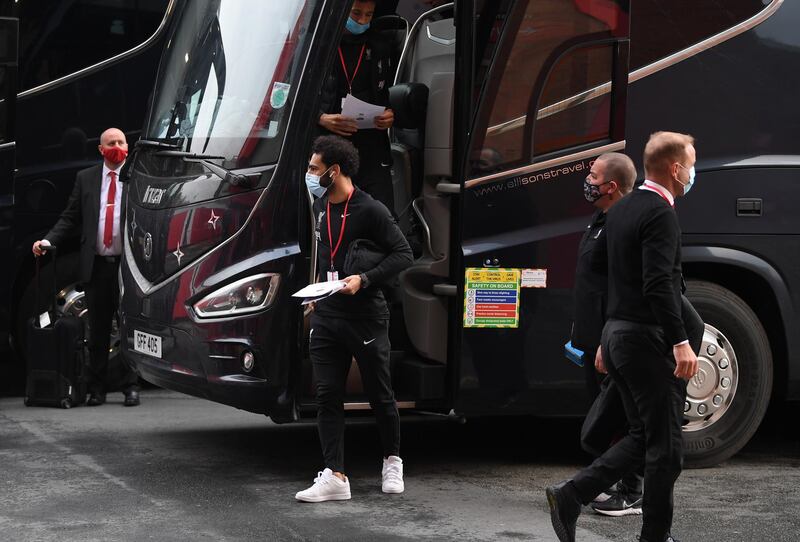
(179, 468)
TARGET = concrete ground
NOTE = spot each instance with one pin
(179, 468)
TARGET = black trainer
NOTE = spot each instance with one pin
(669, 538)
(564, 510)
(619, 504)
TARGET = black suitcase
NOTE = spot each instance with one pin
(56, 355)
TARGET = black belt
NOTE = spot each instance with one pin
(108, 259)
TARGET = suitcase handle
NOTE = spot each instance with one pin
(54, 250)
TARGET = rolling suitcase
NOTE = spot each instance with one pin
(56, 353)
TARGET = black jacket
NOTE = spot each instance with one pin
(644, 263)
(366, 219)
(371, 84)
(591, 286)
(82, 217)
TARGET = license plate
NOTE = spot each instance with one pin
(147, 344)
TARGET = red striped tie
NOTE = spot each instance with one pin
(108, 234)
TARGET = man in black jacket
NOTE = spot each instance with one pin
(363, 67)
(645, 346)
(94, 211)
(610, 178)
(355, 321)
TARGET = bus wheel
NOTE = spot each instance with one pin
(727, 399)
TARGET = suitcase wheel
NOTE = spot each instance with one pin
(66, 403)
(27, 401)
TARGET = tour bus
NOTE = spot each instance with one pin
(75, 69)
(500, 107)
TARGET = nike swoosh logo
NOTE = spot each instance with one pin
(348, 214)
(367, 342)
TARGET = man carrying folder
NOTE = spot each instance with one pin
(354, 322)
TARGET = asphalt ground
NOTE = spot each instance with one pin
(179, 468)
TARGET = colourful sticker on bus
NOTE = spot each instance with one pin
(491, 298)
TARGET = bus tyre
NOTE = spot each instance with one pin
(727, 399)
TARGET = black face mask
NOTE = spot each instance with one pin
(326, 179)
(591, 191)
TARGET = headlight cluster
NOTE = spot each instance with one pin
(244, 296)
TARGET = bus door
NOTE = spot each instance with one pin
(8, 96)
(545, 95)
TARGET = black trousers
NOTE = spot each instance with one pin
(375, 177)
(334, 342)
(641, 364)
(102, 301)
(606, 423)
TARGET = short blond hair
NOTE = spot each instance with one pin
(664, 149)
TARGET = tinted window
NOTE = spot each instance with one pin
(660, 28)
(537, 31)
(58, 38)
(565, 117)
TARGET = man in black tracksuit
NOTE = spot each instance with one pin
(355, 321)
(363, 67)
(645, 345)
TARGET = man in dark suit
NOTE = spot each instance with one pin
(645, 346)
(94, 211)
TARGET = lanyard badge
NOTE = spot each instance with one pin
(358, 65)
(333, 274)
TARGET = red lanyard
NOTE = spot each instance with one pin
(341, 230)
(657, 191)
(344, 67)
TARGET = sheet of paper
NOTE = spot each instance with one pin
(363, 112)
(44, 320)
(319, 290)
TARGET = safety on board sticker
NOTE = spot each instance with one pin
(491, 298)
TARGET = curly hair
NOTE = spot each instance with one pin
(333, 149)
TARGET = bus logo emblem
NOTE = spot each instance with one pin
(148, 247)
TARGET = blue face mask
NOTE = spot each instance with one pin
(355, 28)
(690, 182)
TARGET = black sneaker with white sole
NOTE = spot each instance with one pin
(619, 504)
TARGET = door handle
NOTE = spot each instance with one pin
(748, 206)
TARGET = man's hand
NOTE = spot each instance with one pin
(40, 247)
(599, 364)
(338, 124)
(685, 361)
(353, 285)
(385, 121)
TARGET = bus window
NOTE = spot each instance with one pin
(59, 38)
(569, 114)
(659, 29)
(541, 28)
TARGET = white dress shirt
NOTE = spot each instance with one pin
(116, 240)
(663, 192)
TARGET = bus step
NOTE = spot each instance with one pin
(417, 377)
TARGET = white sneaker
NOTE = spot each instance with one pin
(393, 475)
(327, 487)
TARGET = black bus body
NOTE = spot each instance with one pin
(500, 107)
(83, 66)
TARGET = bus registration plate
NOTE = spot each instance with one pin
(146, 343)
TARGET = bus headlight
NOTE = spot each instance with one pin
(244, 296)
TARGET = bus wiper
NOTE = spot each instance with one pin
(236, 179)
(155, 144)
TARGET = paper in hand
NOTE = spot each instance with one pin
(362, 112)
(319, 290)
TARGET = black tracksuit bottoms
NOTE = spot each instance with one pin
(641, 364)
(334, 342)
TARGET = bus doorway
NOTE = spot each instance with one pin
(504, 202)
